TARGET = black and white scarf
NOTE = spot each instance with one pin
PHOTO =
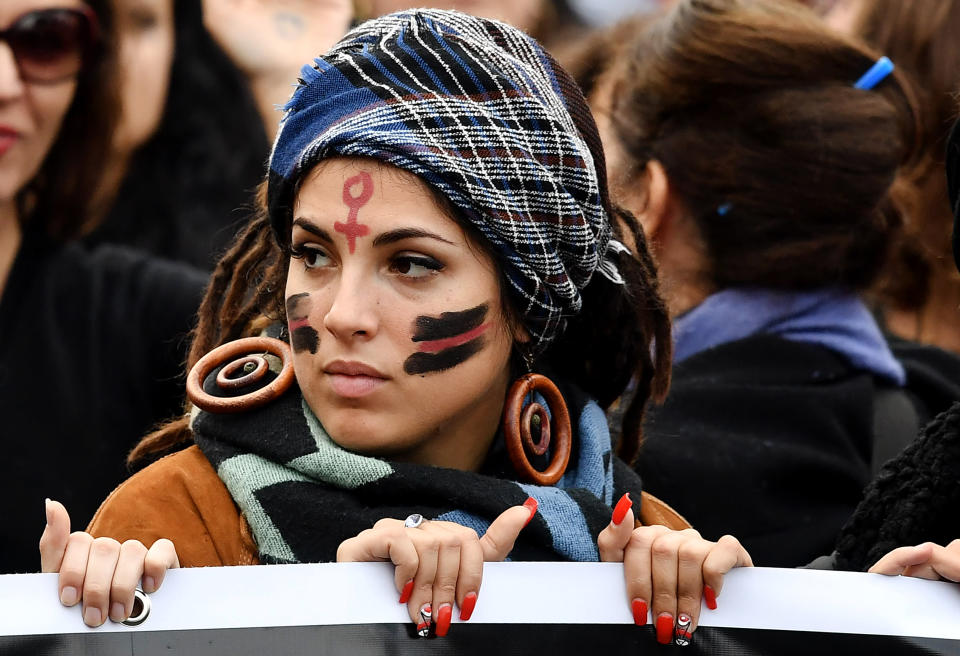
(302, 494)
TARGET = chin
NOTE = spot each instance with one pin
(363, 432)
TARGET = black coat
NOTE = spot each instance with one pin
(771, 441)
(92, 347)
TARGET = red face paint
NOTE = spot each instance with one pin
(446, 341)
(351, 228)
(303, 336)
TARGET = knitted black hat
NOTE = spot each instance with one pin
(953, 185)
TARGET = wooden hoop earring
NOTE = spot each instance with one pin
(252, 365)
(520, 424)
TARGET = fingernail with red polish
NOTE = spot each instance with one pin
(664, 628)
(466, 608)
(406, 592)
(531, 505)
(682, 634)
(423, 626)
(639, 608)
(444, 614)
(710, 597)
(621, 510)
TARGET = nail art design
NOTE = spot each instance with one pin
(710, 597)
(423, 626)
(664, 628)
(682, 634)
(639, 608)
(621, 510)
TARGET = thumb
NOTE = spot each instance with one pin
(53, 542)
(497, 542)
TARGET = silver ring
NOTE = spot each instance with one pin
(413, 521)
(141, 608)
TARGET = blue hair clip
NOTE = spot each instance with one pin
(724, 209)
(880, 70)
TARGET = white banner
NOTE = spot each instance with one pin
(363, 595)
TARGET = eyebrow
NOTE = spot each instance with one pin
(383, 239)
(400, 234)
(313, 228)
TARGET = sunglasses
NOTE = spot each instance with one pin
(52, 45)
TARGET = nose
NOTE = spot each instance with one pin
(354, 313)
(11, 86)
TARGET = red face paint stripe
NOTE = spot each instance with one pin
(436, 345)
(298, 323)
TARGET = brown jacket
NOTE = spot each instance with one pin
(181, 498)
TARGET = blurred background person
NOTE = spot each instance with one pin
(200, 84)
(920, 291)
(91, 344)
(762, 176)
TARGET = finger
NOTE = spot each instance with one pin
(690, 558)
(53, 542)
(73, 568)
(161, 556)
(895, 562)
(727, 554)
(944, 563)
(498, 541)
(664, 562)
(126, 577)
(614, 538)
(101, 566)
(471, 572)
(448, 572)
(427, 545)
(636, 570)
(391, 543)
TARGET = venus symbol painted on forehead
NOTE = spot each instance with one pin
(303, 336)
(446, 341)
(352, 229)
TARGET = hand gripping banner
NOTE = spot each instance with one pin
(523, 608)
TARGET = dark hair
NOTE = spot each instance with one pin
(57, 200)
(781, 163)
(621, 333)
(181, 194)
(922, 41)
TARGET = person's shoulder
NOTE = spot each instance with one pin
(762, 360)
(181, 498)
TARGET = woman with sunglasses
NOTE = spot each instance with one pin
(89, 342)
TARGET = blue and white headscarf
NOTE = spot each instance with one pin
(478, 110)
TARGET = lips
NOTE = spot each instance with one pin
(8, 137)
(353, 379)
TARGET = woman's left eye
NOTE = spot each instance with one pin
(415, 266)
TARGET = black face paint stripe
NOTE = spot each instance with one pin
(428, 363)
(449, 324)
(305, 338)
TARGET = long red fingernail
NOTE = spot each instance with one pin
(639, 608)
(710, 597)
(682, 635)
(664, 628)
(406, 592)
(466, 608)
(444, 614)
(531, 505)
(620, 511)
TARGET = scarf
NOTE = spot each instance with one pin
(477, 110)
(833, 319)
(303, 495)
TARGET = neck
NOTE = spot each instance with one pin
(114, 172)
(10, 238)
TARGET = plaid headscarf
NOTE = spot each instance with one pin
(478, 110)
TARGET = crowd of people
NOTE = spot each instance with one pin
(677, 291)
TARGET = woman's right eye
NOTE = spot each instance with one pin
(313, 257)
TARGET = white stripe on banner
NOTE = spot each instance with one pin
(512, 593)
